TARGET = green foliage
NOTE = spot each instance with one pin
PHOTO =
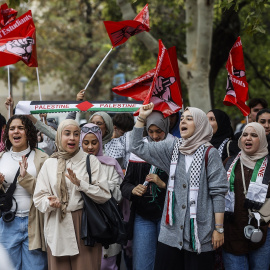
(254, 19)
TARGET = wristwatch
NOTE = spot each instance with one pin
(220, 230)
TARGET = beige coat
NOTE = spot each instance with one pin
(36, 218)
(60, 236)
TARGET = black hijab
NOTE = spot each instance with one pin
(224, 128)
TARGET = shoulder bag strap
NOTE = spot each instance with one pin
(228, 150)
(88, 168)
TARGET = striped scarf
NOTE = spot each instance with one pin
(194, 183)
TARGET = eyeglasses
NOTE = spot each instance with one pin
(94, 129)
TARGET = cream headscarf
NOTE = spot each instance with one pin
(62, 156)
(250, 161)
(202, 134)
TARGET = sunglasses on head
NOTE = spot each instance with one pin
(94, 129)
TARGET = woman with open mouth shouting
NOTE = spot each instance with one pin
(192, 220)
(57, 194)
(247, 235)
(21, 226)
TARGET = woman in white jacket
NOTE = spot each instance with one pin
(57, 194)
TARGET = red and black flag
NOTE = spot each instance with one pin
(18, 42)
(137, 88)
(160, 85)
(120, 32)
(7, 15)
(237, 86)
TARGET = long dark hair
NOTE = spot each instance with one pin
(2, 123)
(30, 130)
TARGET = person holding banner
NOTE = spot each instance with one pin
(192, 219)
(247, 232)
(145, 186)
(23, 236)
(57, 194)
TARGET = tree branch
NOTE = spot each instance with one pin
(263, 79)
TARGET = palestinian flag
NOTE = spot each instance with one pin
(36, 107)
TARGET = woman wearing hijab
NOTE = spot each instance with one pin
(192, 219)
(145, 186)
(91, 142)
(248, 174)
(105, 123)
(57, 194)
(222, 133)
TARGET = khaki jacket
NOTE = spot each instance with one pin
(36, 218)
(60, 235)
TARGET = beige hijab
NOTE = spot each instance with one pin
(250, 161)
(62, 156)
(202, 134)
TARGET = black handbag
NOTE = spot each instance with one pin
(101, 223)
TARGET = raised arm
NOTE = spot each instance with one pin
(156, 153)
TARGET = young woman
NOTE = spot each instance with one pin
(23, 237)
(57, 194)
(263, 118)
(222, 133)
(192, 220)
(145, 186)
(104, 121)
(248, 174)
(91, 142)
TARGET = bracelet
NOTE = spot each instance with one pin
(142, 119)
(138, 119)
(218, 224)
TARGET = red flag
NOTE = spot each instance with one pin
(120, 32)
(237, 86)
(165, 89)
(7, 15)
(137, 88)
(18, 42)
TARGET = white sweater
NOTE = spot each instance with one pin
(9, 164)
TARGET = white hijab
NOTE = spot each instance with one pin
(250, 161)
(202, 134)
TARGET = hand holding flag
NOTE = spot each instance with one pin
(165, 89)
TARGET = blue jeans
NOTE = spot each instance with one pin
(14, 238)
(145, 237)
(258, 259)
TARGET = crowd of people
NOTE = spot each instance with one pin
(193, 192)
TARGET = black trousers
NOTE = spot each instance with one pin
(171, 258)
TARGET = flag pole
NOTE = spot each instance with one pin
(40, 98)
(9, 90)
(98, 68)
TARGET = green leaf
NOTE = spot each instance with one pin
(259, 29)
